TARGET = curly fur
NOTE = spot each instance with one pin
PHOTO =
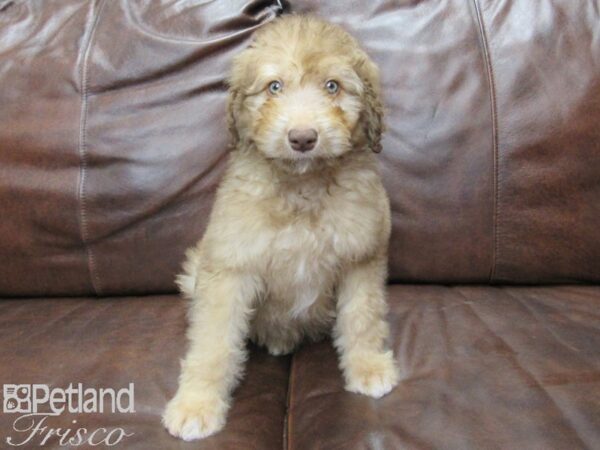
(296, 245)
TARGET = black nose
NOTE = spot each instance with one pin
(303, 140)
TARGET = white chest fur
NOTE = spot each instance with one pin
(299, 235)
(320, 233)
(301, 265)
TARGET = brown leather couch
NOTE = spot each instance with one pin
(112, 141)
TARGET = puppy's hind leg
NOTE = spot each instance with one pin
(361, 331)
(219, 317)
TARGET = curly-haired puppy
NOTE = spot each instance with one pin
(297, 240)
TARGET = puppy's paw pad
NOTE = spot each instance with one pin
(191, 420)
(375, 375)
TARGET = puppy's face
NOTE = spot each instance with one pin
(303, 92)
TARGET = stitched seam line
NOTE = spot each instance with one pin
(494, 113)
(83, 223)
(287, 432)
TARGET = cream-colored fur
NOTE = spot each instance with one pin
(296, 244)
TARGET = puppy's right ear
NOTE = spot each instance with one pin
(237, 81)
(234, 104)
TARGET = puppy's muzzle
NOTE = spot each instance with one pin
(303, 140)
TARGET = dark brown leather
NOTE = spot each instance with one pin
(545, 64)
(108, 343)
(156, 126)
(483, 368)
(113, 137)
(40, 242)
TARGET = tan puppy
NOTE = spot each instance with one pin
(297, 240)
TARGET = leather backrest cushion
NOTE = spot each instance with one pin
(113, 137)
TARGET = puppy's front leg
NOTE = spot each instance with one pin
(361, 330)
(219, 316)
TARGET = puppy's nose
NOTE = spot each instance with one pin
(303, 140)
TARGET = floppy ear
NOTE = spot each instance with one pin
(236, 94)
(234, 104)
(372, 115)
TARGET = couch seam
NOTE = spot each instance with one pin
(494, 114)
(82, 148)
(288, 407)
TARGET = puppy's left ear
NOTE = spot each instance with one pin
(372, 115)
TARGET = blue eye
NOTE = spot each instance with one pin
(332, 87)
(275, 87)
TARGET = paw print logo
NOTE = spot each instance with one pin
(17, 398)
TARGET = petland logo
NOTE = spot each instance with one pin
(36, 403)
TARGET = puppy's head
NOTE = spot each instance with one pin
(304, 91)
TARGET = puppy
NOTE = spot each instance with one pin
(296, 245)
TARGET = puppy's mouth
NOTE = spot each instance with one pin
(303, 155)
(298, 166)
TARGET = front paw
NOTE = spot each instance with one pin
(372, 374)
(191, 417)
